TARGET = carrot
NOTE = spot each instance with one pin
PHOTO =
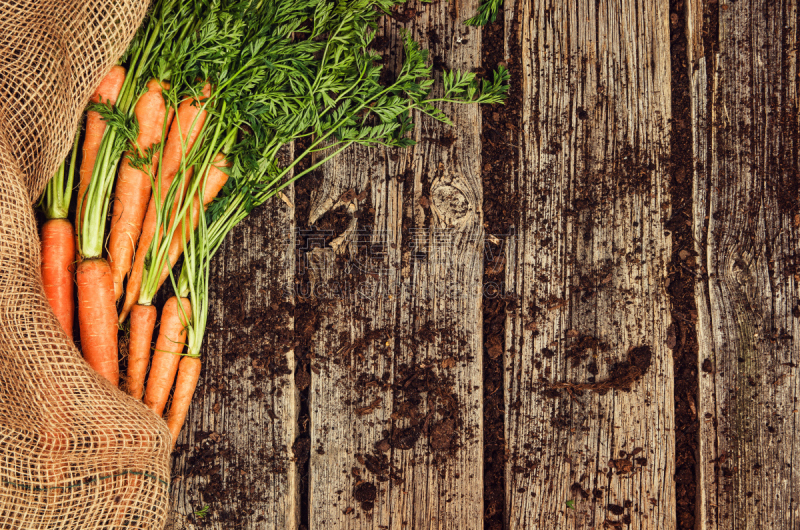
(188, 375)
(215, 181)
(189, 110)
(96, 312)
(190, 120)
(106, 92)
(59, 243)
(133, 185)
(169, 345)
(58, 253)
(143, 321)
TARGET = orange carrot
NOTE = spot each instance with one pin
(143, 321)
(133, 186)
(188, 110)
(188, 375)
(190, 128)
(58, 254)
(95, 305)
(215, 181)
(169, 345)
(107, 92)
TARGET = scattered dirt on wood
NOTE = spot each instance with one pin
(327, 228)
(426, 412)
(425, 400)
(366, 493)
(581, 347)
(231, 338)
(622, 376)
(404, 14)
(426, 408)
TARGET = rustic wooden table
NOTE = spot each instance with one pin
(626, 227)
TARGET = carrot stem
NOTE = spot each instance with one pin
(171, 218)
(58, 193)
(161, 218)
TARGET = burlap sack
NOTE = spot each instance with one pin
(75, 453)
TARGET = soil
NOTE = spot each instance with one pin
(682, 335)
(500, 208)
(622, 375)
(306, 324)
(426, 409)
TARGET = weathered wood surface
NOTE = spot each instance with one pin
(589, 260)
(745, 126)
(698, 23)
(427, 278)
(588, 263)
(234, 454)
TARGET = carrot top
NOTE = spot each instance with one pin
(307, 72)
(174, 206)
(58, 192)
(165, 44)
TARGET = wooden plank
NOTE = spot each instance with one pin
(697, 23)
(234, 454)
(396, 366)
(589, 265)
(746, 228)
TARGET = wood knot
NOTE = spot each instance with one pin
(452, 202)
(742, 269)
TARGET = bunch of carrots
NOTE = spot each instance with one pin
(181, 143)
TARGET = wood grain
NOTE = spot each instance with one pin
(588, 264)
(745, 126)
(234, 454)
(417, 313)
(697, 18)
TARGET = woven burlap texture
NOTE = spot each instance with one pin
(75, 453)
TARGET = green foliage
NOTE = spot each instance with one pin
(465, 88)
(306, 70)
(57, 196)
(126, 127)
(202, 512)
(487, 12)
(570, 504)
(284, 70)
(142, 162)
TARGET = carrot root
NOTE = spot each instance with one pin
(97, 314)
(143, 321)
(132, 191)
(214, 182)
(190, 120)
(58, 255)
(106, 92)
(169, 345)
(188, 375)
